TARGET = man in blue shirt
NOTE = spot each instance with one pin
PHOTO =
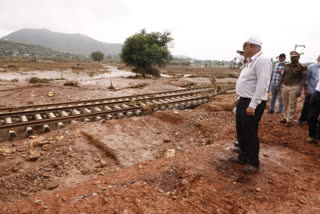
(309, 89)
(275, 78)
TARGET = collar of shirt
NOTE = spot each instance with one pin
(252, 59)
(282, 63)
(254, 56)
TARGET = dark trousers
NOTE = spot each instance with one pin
(305, 109)
(314, 114)
(247, 131)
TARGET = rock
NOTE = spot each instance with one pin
(97, 169)
(46, 147)
(37, 201)
(36, 141)
(84, 171)
(50, 94)
(44, 142)
(166, 140)
(33, 155)
(96, 159)
(59, 137)
(25, 194)
(103, 163)
(45, 174)
(170, 153)
(185, 182)
(6, 150)
(14, 169)
(54, 163)
(52, 185)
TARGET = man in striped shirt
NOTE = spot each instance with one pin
(275, 78)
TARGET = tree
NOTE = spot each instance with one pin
(145, 51)
(97, 56)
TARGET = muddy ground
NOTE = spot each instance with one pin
(167, 162)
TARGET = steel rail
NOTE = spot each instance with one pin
(98, 100)
(87, 115)
(28, 112)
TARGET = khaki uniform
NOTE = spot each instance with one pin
(293, 75)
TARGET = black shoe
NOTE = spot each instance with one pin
(236, 144)
(300, 123)
(250, 169)
(236, 150)
(279, 112)
(270, 112)
(283, 120)
(237, 160)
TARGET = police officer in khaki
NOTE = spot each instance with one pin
(293, 79)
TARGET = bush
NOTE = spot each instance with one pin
(71, 83)
(38, 80)
(97, 56)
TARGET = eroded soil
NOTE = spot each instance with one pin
(167, 162)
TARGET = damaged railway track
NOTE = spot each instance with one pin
(27, 119)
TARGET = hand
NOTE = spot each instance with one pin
(250, 111)
(306, 92)
(235, 103)
(298, 93)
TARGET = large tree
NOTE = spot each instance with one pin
(97, 56)
(145, 51)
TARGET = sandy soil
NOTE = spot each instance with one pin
(167, 162)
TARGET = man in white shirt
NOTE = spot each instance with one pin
(251, 87)
(314, 114)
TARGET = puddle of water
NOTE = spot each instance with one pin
(66, 74)
(165, 75)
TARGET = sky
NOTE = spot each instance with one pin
(201, 29)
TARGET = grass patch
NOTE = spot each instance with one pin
(91, 74)
(38, 80)
(71, 83)
(139, 85)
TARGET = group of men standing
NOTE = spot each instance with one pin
(285, 81)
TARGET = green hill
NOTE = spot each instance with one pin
(11, 48)
(68, 43)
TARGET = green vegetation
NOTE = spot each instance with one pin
(139, 85)
(38, 80)
(145, 51)
(91, 74)
(97, 56)
(71, 83)
(11, 48)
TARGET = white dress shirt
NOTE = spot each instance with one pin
(254, 79)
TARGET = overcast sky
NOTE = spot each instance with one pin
(202, 29)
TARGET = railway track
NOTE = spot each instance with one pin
(27, 119)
